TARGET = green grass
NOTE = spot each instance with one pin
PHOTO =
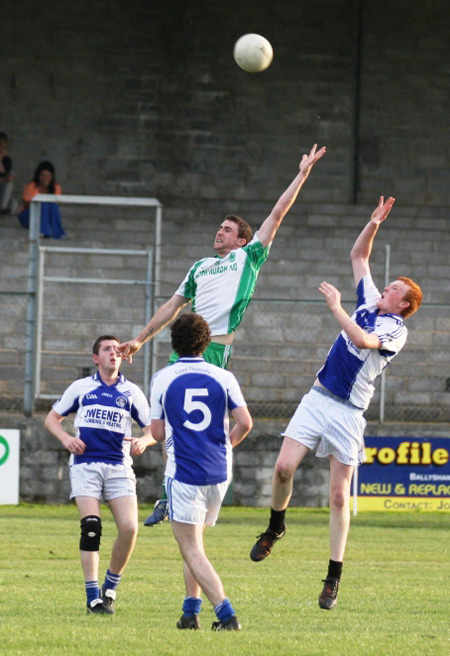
(394, 596)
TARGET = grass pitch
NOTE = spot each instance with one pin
(393, 599)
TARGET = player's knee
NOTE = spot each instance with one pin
(338, 498)
(91, 531)
(128, 530)
(283, 472)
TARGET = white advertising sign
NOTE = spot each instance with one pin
(9, 465)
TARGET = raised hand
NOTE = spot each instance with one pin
(331, 293)
(308, 161)
(382, 211)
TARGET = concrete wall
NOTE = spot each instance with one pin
(44, 472)
(287, 330)
(144, 98)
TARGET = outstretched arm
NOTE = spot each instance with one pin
(362, 247)
(355, 333)
(164, 315)
(269, 228)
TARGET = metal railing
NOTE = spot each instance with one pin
(281, 344)
(33, 267)
(50, 307)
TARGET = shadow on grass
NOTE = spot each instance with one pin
(320, 516)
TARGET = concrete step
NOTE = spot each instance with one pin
(280, 344)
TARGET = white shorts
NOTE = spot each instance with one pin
(333, 426)
(194, 504)
(94, 479)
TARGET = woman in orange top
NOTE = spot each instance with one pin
(43, 183)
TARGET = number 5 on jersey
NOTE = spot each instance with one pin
(190, 404)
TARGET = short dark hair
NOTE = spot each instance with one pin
(3, 136)
(190, 334)
(99, 340)
(244, 230)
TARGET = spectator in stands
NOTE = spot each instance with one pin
(43, 182)
(6, 177)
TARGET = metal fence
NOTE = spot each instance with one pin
(277, 351)
(72, 311)
(281, 344)
(32, 359)
(13, 312)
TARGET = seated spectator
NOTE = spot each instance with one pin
(43, 183)
(7, 203)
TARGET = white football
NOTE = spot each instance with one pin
(253, 53)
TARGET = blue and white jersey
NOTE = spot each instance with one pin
(104, 415)
(194, 398)
(350, 372)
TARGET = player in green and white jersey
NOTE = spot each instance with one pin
(232, 279)
(220, 287)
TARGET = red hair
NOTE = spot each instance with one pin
(413, 296)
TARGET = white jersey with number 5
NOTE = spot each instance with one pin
(194, 399)
(221, 288)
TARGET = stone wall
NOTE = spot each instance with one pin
(144, 98)
(287, 329)
(44, 472)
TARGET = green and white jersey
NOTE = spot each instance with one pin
(221, 288)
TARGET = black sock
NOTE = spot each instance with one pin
(277, 520)
(334, 570)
